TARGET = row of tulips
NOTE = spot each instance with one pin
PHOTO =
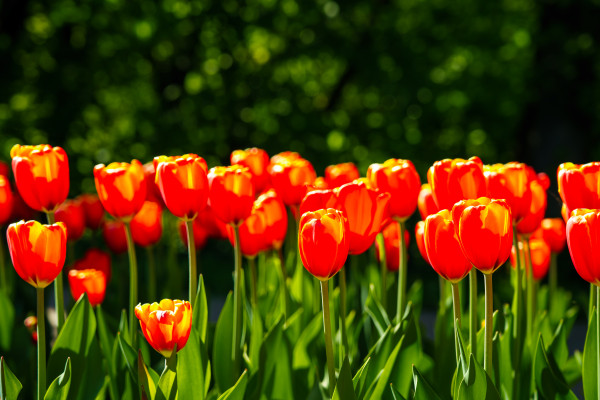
(473, 214)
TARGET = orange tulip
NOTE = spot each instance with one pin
(510, 182)
(71, 213)
(152, 190)
(583, 240)
(290, 178)
(146, 226)
(540, 257)
(121, 188)
(544, 180)
(322, 242)
(200, 233)
(231, 193)
(252, 234)
(257, 161)
(443, 248)
(6, 200)
(420, 239)
(340, 174)
(318, 184)
(42, 175)
(89, 281)
(317, 200)
(365, 210)
(537, 209)
(37, 251)
(183, 184)
(93, 210)
(426, 202)
(272, 207)
(115, 236)
(94, 259)
(391, 243)
(165, 324)
(484, 229)
(284, 156)
(457, 179)
(578, 186)
(400, 179)
(554, 233)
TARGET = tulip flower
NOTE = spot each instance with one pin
(231, 193)
(42, 175)
(146, 226)
(510, 182)
(6, 200)
(115, 236)
(89, 281)
(317, 200)
(583, 241)
(273, 209)
(340, 174)
(72, 214)
(284, 156)
(201, 234)
(319, 184)
(95, 259)
(323, 250)
(257, 161)
(31, 325)
(93, 210)
(578, 186)
(484, 231)
(539, 252)
(420, 239)
(544, 180)
(166, 325)
(391, 233)
(214, 226)
(553, 232)
(426, 202)
(38, 255)
(152, 189)
(457, 179)
(121, 188)
(290, 178)
(537, 209)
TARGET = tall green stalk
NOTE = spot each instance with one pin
(343, 310)
(457, 318)
(401, 304)
(193, 285)
(328, 338)
(552, 281)
(253, 287)
(517, 318)
(237, 302)
(473, 310)
(151, 273)
(133, 284)
(592, 302)
(489, 311)
(284, 291)
(383, 268)
(530, 291)
(58, 288)
(3, 277)
(41, 344)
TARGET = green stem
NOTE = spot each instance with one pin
(133, 285)
(253, 288)
(473, 311)
(151, 273)
(58, 289)
(193, 286)
(383, 267)
(592, 302)
(517, 318)
(401, 304)
(489, 310)
(598, 337)
(237, 302)
(3, 277)
(552, 276)
(343, 311)
(443, 295)
(41, 344)
(529, 290)
(328, 339)
(457, 319)
(284, 293)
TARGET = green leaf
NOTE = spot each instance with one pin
(376, 311)
(383, 379)
(476, 384)
(301, 358)
(396, 394)
(589, 370)
(124, 327)
(146, 381)
(200, 316)
(344, 389)
(167, 384)
(222, 352)
(8, 321)
(423, 390)
(548, 379)
(129, 356)
(193, 369)
(59, 389)
(106, 344)
(10, 387)
(238, 391)
(360, 377)
(256, 338)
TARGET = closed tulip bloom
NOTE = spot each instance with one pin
(510, 182)
(37, 251)
(93, 210)
(71, 213)
(152, 190)
(146, 226)
(443, 247)
(420, 239)
(578, 186)
(537, 209)
(583, 240)
(183, 184)
(284, 156)
(231, 193)
(252, 234)
(484, 228)
(391, 242)
(42, 175)
(214, 226)
(400, 179)
(540, 257)
(340, 174)
(553, 232)
(290, 179)
(94, 259)
(257, 161)
(544, 180)
(6, 200)
(115, 236)
(121, 188)
(166, 324)
(318, 184)
(200, 233)
(317, 200)
(89, 281)
(322, 242)
(273, 209)
(456, 179)
(365, 209)
(426, 202)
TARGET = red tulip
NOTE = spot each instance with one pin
(420, 239)
(290, 178)
(537, 209)
(37, 251)
(318, 184)
(578, 185)
(93, 210)
(391, 243)
(231, 193)
(146, 226)
(553, 231)
(121, 188)
(340, 174)
(42, 175)
(257, 161)
(317, 200)
(89, 281)
(426, 202)
(511, 183)
(540, 257)
(200, 233)
(6, 200)
(252, 234)
(71, 213)
(152, 190)
(457, 179)
(400, 179)
(94, 259)
(583, 239)
(272, 207)
(115, 236)
(214, 226)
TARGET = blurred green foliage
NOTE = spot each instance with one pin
(357, 80)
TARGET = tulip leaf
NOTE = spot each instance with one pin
(222, 351)
(10, 387)
(193, 369)
(237, 391)
(167, 384)
(476, 384)
(129, 356)
(146, 381)
(422, 389)
(383, 380)
(376, 311)
(360, 377)
(200, 316)
(59, 389)
(124, 326)
(589, 370)
(548, 379)
(344, 389)
(106, 344)
(8, 320)
(301, 358)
